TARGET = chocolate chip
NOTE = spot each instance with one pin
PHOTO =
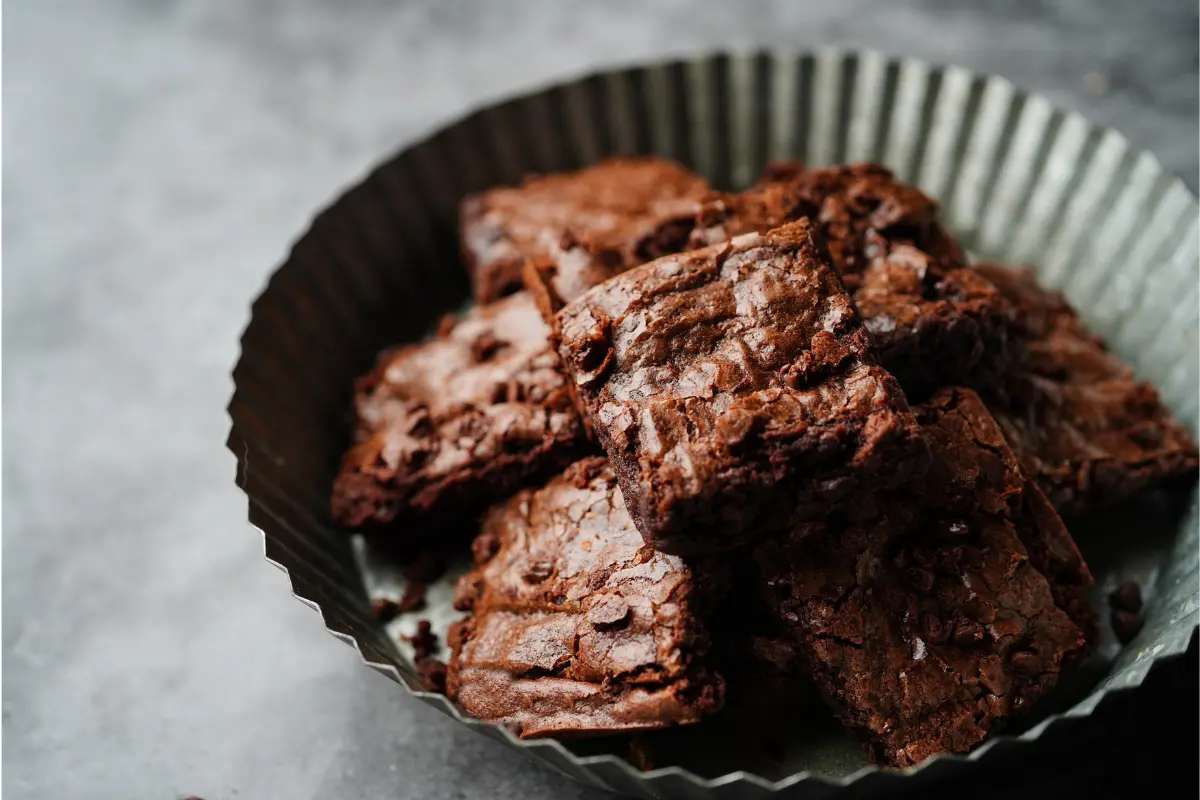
(1026, 662)
(538, 571)
(608, 612)
(1127, 597)
(1126, 625)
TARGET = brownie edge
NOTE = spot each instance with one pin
(576, 626)
(444, 428)
(951, 607)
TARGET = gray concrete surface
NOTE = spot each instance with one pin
(158, 158)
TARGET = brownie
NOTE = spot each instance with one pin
(576, 229)
(933, 326)
(934, 321)
(447, 427)
(1091, 433)
(847, 204)
(734, 390)
(576, 626)
(933, 615)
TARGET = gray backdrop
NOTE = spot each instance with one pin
(158, 158)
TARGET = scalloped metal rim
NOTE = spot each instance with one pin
(1081, 709)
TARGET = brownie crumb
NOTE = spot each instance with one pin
(433, 674)
(1127, 597)
(639, 754)
(385, 609)
(424, 641)
(413, 598)
(1126, 624)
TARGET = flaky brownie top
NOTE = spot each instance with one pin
(846, 203)
(487, 386)
(582, 227)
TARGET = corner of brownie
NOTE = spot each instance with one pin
(846, 204)
(933, 323)
(579, 227)
(734, 390)
(1084, 426)
(446, 427)
(576, 626)
(952, 606)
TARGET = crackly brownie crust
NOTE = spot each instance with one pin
(566, 232)
(935, 322)
(933, 326)
(576, 626)
(929, 620)
(445, 428)
(734, 391)
(847, 204)
(1091, 433)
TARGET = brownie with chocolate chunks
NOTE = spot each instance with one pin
(1083, 425)
(576, 626)
(935, 322)
(930, 617)
(846, 204)
(735, 392)
(573, 230)
(446, 427)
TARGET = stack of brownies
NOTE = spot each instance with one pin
(791, 427)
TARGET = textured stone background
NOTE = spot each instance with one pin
(158, 158)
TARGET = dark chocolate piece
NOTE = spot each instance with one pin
(734, 391)
(384, 609)
(1126, 624)
(933, 616)
(935, 323)
(577, 627)
(1091, 433)
(1127, 597)
(449, 426)
(576, 229)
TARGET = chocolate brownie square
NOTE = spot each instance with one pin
(935, 322)
(1091, 433)
(576, 626)
(734, 390)
(576, 229)
(932, 617)
(447, 427)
